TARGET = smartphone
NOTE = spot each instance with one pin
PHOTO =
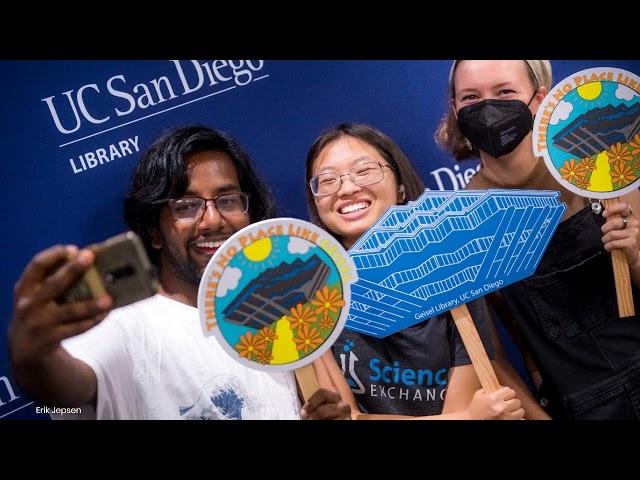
(121, 269)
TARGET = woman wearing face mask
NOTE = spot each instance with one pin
(583, 357)
(354, 173)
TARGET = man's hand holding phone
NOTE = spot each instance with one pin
(121, 269)
(64, 291)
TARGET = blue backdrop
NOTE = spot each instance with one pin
(73, 130)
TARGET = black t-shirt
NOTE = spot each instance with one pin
(567, 313)
(407, 373)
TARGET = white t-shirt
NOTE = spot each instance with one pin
(152, 361)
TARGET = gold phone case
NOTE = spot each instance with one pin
(121, 268)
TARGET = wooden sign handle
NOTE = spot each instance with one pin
(307, 381)
(473, 344)
(621, 275)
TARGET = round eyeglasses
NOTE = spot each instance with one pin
(361, 175)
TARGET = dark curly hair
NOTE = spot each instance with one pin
(161, 173)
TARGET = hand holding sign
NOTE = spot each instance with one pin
(588, 132)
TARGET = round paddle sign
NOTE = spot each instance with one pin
(588, 132)
(276, 294)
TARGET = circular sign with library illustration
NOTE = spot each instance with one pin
(587, 129)
(276, 294)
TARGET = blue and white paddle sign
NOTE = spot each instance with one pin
(445, 249)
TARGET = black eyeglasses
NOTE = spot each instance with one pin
(193, 208)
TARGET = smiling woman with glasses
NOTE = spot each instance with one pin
(347, 210)
(193, 208)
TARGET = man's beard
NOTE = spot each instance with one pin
(183, 268)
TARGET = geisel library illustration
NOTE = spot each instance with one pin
(598, 129)
(445, 249)
(269, 296)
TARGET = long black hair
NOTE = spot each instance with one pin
(161, 173)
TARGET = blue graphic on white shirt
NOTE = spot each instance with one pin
(184, 410)
(224, 398)
(229, 404)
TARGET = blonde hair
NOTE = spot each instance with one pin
(449, 137)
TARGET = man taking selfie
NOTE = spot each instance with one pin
(192, 189)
